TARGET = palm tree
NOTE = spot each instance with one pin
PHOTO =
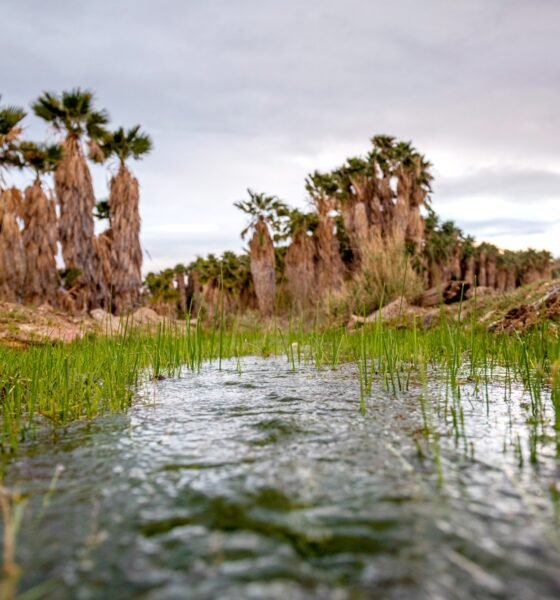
(442, 250)
(40, 233)
(10, 119)
(467, 259)
(160, 289)
(12, 259)
(404, 156)
(329, 267)
(419, 197)
(264, 212)
(299, 262)
(180, 271)
(73, 116)
(491, 252)
(12, 255)
(124, 212)
(354, 192)
(481, 272)
(382, 159)
(530, 263)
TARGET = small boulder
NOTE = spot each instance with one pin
(145, 316)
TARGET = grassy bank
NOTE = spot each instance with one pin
(52, 385)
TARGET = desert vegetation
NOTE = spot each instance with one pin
(58, 208)
(369, 236)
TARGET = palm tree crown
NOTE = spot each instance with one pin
(261, 207)
(127, 144)
(42, 158)
(72, 112)
(10, 118)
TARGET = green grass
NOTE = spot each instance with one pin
(52, 385)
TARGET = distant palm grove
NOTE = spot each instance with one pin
(100, 271)
(369, 236)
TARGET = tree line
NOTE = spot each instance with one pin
(58, 206)
(368, 231)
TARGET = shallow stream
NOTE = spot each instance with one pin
(270, 483)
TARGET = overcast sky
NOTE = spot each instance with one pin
(257, 93)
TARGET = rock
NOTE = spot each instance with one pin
(145, 316)
(98, 314)
(452, 291)
(392, 310)
(110, 323)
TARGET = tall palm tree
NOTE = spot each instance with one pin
(329, 267)
(12, 255)
(124, 211)
(265, 212)
(354, 193)
(40, 233)
(467, 259)
(299, 262)
(180, 271)
(404, 156)
(73, 116)
(419, 197)
(12, 258)
(382, 159)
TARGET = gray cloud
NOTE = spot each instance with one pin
(258, 92)
(511, 183)
(499, 227)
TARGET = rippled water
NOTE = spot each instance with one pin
(269, 483)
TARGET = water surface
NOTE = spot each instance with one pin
(269, 483)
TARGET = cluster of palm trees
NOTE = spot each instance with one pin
(370, 207)
(99, 270)
(449, 254)
(364, 207)
(213, 282)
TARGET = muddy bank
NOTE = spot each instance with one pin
(23, 326)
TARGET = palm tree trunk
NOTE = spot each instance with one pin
(401, 214)
(455, 262)
(40, 237)
(491, 272)
(12, 255)
(481, 270)
(104, 268)
(355, 219)
(530, 275)
(126, 252)
(329, 271)
(300, 270)
(375, 218)
(193, 293)
(76, 199)
(501, 280)
(386, 198)
(415, 230)
(511, 279)
(263, 267)
(468, 270)
(181, 290)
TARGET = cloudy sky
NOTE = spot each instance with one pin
(257, 93)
